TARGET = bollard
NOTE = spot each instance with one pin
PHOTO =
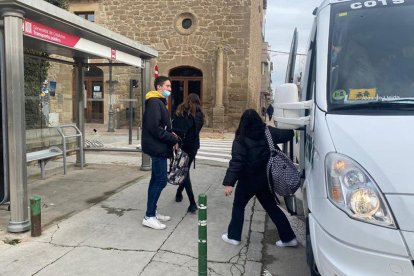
(202, 235)
(35, 214)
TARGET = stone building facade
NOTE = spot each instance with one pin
(266, 85)
(209, 47)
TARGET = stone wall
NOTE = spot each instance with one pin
(235, 25)
(256, 42)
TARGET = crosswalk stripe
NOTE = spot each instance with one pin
(223, 160)
(214, 147)
(215, 143)
(215, 154)
(216, 140)
(215, 150)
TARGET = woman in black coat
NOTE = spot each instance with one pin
(247, 167)
(187, 123)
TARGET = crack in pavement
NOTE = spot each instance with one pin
(191, 268)
(159, 249)
(241, 257)
(238, 262)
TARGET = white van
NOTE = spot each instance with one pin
(356, 119)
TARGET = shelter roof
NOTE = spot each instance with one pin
(94, 40)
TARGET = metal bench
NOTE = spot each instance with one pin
(43, 156)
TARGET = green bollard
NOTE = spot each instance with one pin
(35, 215)
(202, 235)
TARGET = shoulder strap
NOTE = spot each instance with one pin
(269, 139)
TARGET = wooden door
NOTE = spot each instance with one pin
(181, 87)
(94, 112)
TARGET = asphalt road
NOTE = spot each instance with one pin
(284, 261)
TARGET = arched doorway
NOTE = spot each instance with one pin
(94, 111)
(184, 80)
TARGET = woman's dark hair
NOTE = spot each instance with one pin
(191, 105)
(250, 121)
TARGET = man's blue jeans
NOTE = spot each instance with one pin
(157, 183)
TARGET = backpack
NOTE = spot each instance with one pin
(178, 167)
(282, 176)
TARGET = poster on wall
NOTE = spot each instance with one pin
(97, 92)
(97, 95)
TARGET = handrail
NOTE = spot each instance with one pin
(64, 137)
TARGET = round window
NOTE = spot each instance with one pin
(185, 23)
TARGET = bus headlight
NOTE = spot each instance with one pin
(353, 190)
(364, 202)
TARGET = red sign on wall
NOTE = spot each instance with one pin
(156, 72)
(37, 30)
(113, 54)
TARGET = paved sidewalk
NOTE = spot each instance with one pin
(108, 238)
(92, 223)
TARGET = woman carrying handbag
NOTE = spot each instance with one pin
(187, 123)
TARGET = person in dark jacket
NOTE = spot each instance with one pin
(269, 112)
(187, 123)
(247, 167)
(158, 141)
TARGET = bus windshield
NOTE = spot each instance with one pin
(371, 58)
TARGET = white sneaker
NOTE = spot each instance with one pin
(292, 243)
(162, 217)
(229, 241)
(152, 222)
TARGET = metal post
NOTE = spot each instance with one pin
(202, 235)
(145, 86)
(16, 121)
(42, 169)
(4, 143)
(291, 150)
(285, 148)
(35, 214)
(111, 91)
(80, 107)
(130, 113)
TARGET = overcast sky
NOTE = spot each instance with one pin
(282, 16)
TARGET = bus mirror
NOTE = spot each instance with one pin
(288, 109)
(286, 93)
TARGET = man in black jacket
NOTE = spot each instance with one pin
(157, 141)
(269, 112)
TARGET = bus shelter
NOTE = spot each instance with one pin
(38, 25)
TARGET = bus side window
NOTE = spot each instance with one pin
(310, 85)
